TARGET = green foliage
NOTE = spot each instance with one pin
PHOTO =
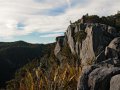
(92, 19)
(66, 51)
(113, 20)
(118, 20)
(80, 36)
(12, 85)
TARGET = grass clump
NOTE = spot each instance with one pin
(57, 78)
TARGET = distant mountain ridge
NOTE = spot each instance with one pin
(14, 55)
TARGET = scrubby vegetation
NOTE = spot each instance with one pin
(47, 74)
(113, 20)
(80, 36)
(57, 78)
(14, 55)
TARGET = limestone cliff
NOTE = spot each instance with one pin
(102, 75)
(98, 36)
(97, 48)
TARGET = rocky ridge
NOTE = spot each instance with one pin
(97, 48)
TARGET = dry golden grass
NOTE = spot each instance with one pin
(60, 78)
(63, 77)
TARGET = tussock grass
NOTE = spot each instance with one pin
(60, 78)
(63, 77)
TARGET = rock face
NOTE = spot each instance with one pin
(97, 48)
(70, 38)
(100, 48)
(100, 77)
(112, 51)
(59, 45)
(103, 76)
(115, 82)
(97, 38)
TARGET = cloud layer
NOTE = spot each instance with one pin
(24, 17)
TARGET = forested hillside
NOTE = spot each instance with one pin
(14, 55)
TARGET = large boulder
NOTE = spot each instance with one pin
(83, 81)
(115, 82)
(99, 77)
(113, 49)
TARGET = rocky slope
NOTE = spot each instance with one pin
(97, 48)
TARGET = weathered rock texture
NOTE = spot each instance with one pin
(59, 45)
(115, 82)
(98, 37)
(99, 78)
(100, 48)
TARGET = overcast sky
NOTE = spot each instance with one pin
(40, 21)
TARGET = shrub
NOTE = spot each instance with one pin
(80, 36)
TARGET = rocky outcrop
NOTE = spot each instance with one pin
(99, 78)
(96, 45)
(70, 37)
(112, 51)
(59, 45)
(83, 82)
(97, 38)
(115, 82)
